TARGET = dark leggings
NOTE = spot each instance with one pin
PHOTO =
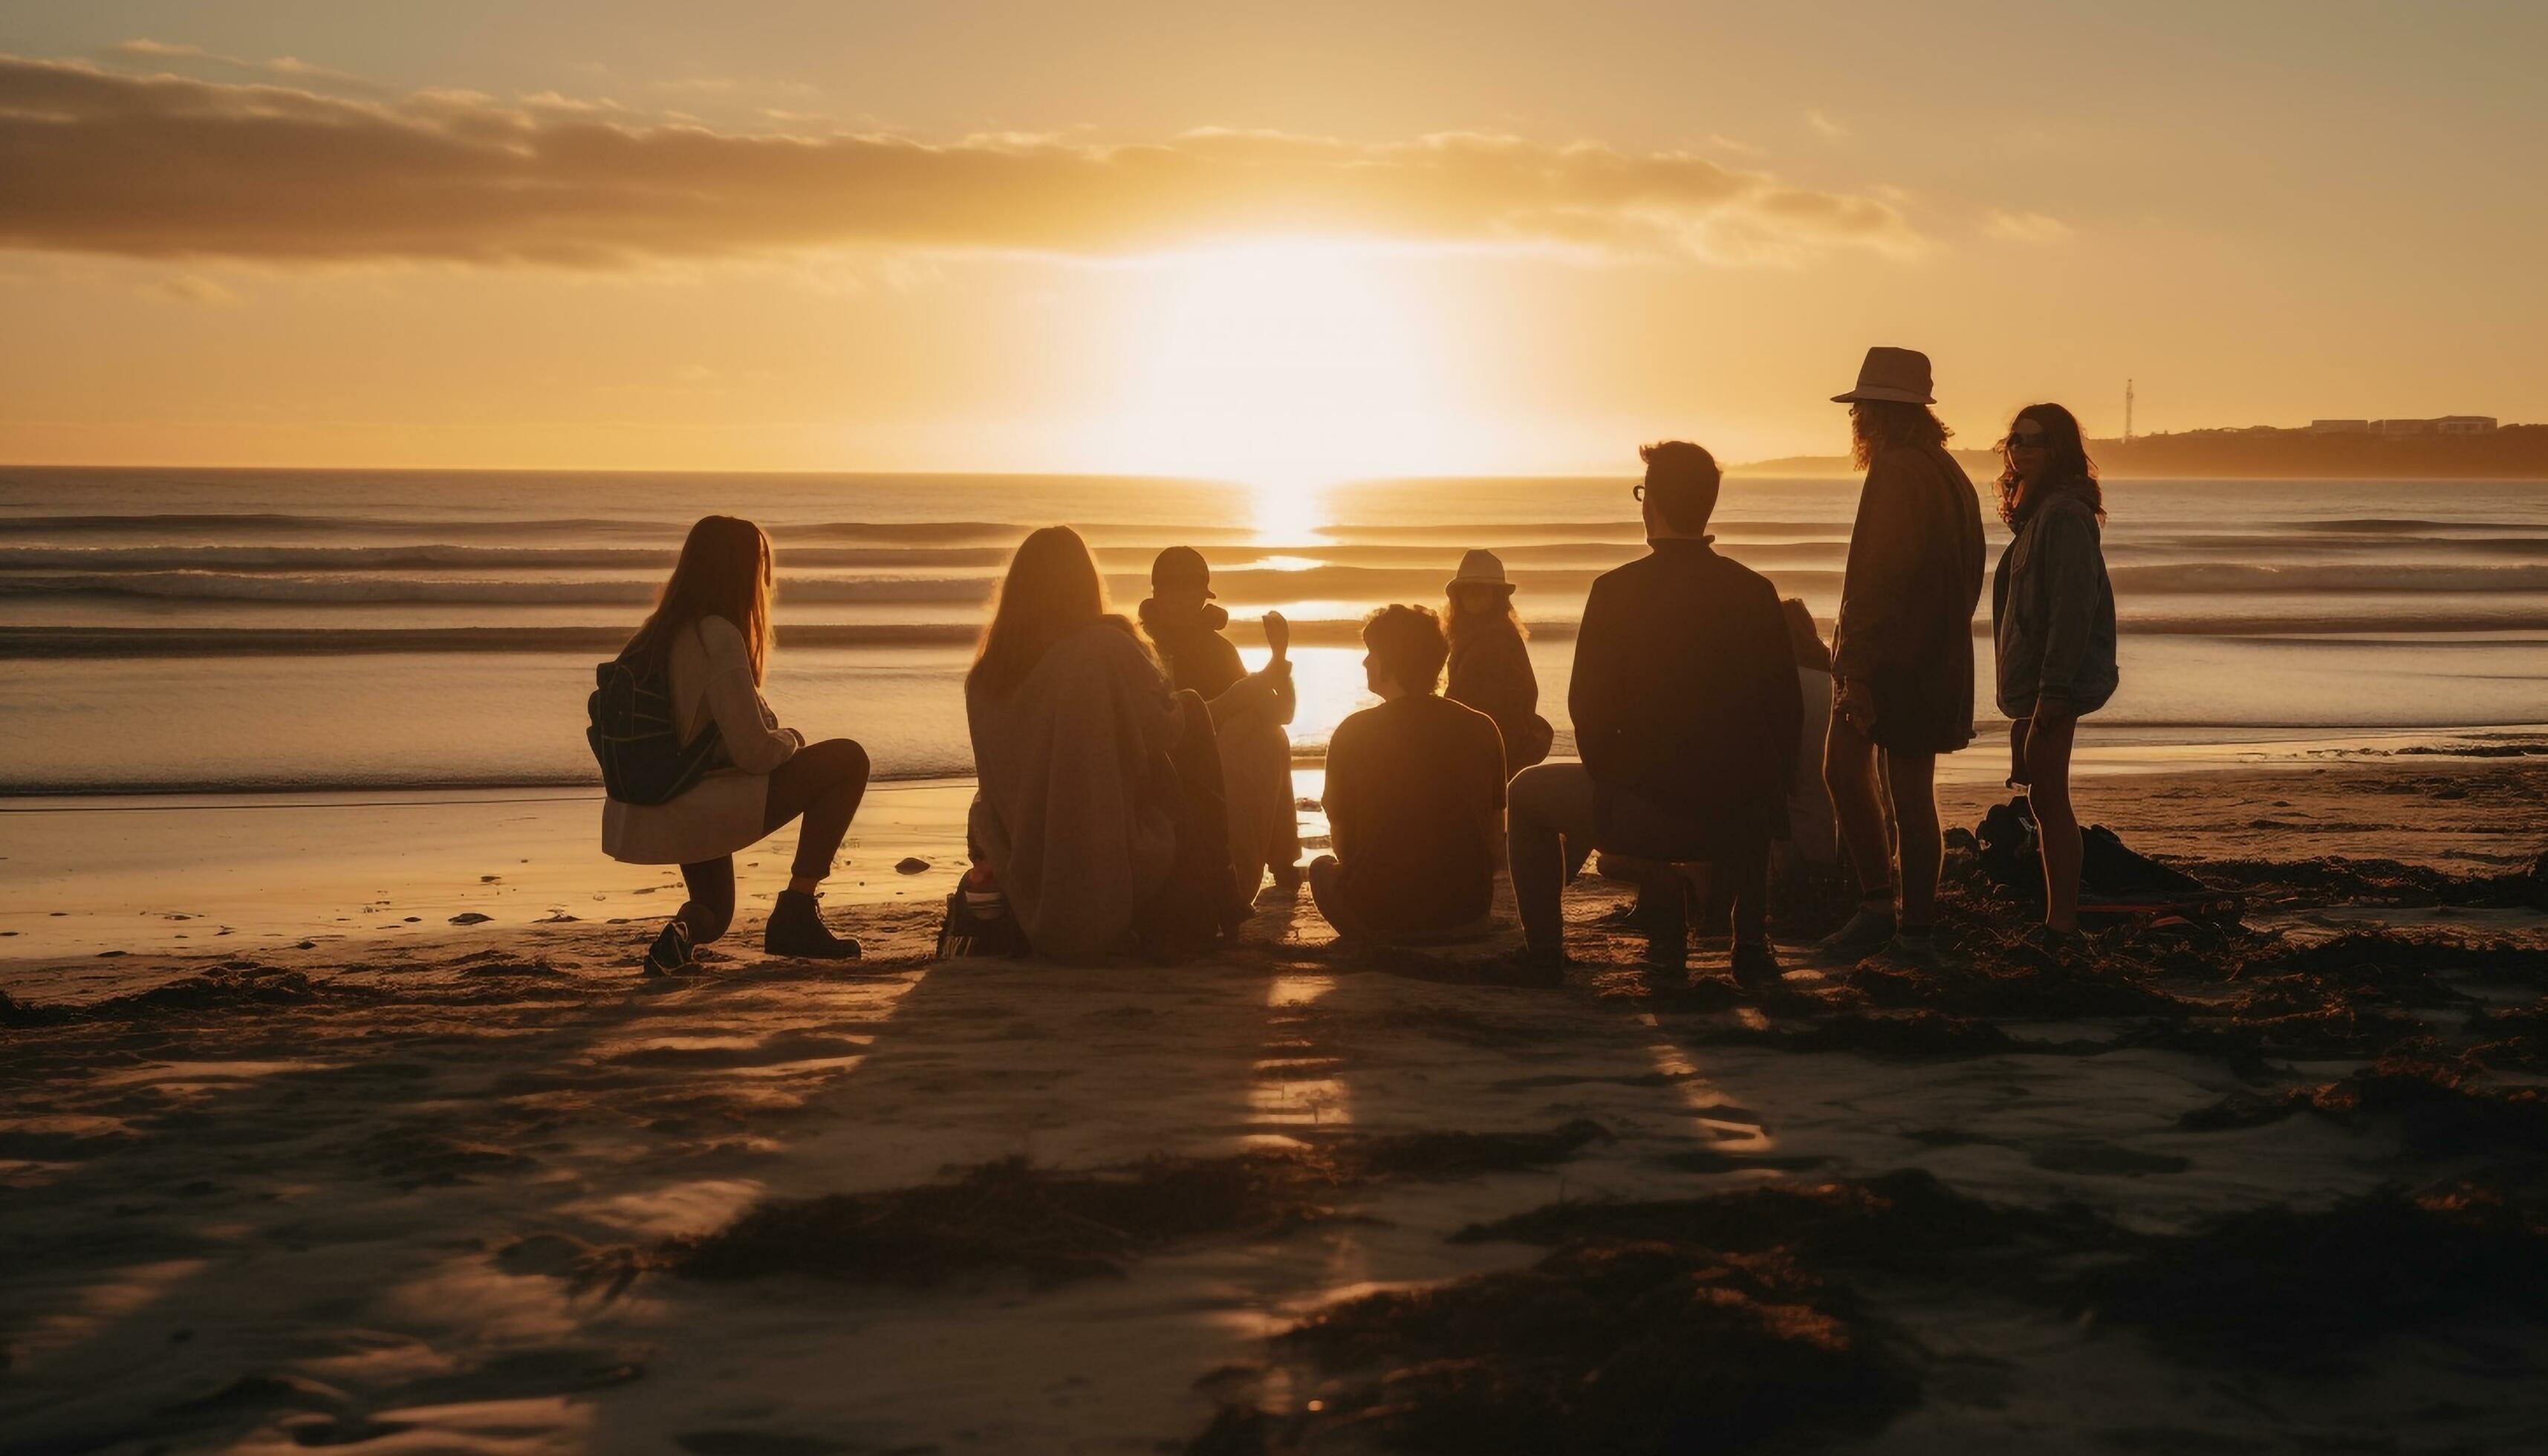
(823, 781)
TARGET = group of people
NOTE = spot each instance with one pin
(1133, 779)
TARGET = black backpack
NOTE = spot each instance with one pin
(643, 759)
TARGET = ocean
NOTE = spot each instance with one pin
(239, 630)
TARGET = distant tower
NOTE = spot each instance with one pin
(2128, 412)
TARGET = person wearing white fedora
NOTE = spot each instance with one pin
(1902, 651)
(1489, 666)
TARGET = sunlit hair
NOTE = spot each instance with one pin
(1409, 644)
(724, 572)
(2071, 468)
(1879, 425)
(1462, 622)
(1681, 480)
(1051, 590)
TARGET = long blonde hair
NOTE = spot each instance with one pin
(724, 572)
(1051, 590)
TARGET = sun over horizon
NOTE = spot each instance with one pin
(1420, 243)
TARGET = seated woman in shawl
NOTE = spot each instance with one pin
(1250, 710)
(1097, 812)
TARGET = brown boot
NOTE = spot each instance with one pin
(797, 928)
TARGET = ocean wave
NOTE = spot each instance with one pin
(2234, 577)
(450, 556)
(325, 590)
(271, 523)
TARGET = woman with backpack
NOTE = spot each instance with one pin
(1099, 815)
(698, 765)
(2052, 613)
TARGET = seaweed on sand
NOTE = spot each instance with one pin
(2438, 1109)
(1904, 1220)
(2280, 1288)
(1613, 1345)
(1055, 1226)
(2338, 879)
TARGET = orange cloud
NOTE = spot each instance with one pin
(100, 161)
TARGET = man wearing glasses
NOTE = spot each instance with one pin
(1687, 710)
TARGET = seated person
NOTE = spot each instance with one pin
(1250, 711)
(1096, 813)
(1415, 797)
(1685, 706)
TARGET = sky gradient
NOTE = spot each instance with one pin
(1313, 242)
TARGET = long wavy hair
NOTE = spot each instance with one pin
(1460, 623)
(1879, 425)
(724, 572)
(1051, 590)
(2071, 469)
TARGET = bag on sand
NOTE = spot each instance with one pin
(630, 714)
(2109, 869)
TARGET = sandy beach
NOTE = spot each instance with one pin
(426, 1186)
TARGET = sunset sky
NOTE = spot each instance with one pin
(1308, 241)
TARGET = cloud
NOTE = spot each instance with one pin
(194, 287)
(2025, 226)
(1829, 128)
(98, 161)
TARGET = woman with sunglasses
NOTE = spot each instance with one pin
(2052, 613)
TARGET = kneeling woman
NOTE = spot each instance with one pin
(709, 635)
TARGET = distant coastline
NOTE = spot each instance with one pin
(2514, 452)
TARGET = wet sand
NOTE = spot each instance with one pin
(420, 1186)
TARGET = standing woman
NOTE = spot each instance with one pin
(1490, 664)
(2053, 611)
(710, 637)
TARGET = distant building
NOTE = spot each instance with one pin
(2449, 424)
(2339, 426)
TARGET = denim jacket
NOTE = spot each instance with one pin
(2053, 611)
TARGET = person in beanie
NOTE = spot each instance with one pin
(1250, 712)
(1903, 653)
(1490, 664)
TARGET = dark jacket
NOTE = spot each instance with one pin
(1490, 672)
(2052, 610)
(1202, 661)
(1907, 600)
(1415, 801)
(1686, 702)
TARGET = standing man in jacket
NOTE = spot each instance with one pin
(1685, 711)
(1903, 653)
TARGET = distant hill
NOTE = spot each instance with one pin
(2514, 452)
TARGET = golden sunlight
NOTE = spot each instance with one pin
(1287, 365)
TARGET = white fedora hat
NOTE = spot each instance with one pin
(1899, 375)
(1481, 569)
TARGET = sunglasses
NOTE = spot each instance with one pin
(2027, 440)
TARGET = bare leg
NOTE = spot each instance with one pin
(1848, 774)
(1913, 778)
(2056, 822)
